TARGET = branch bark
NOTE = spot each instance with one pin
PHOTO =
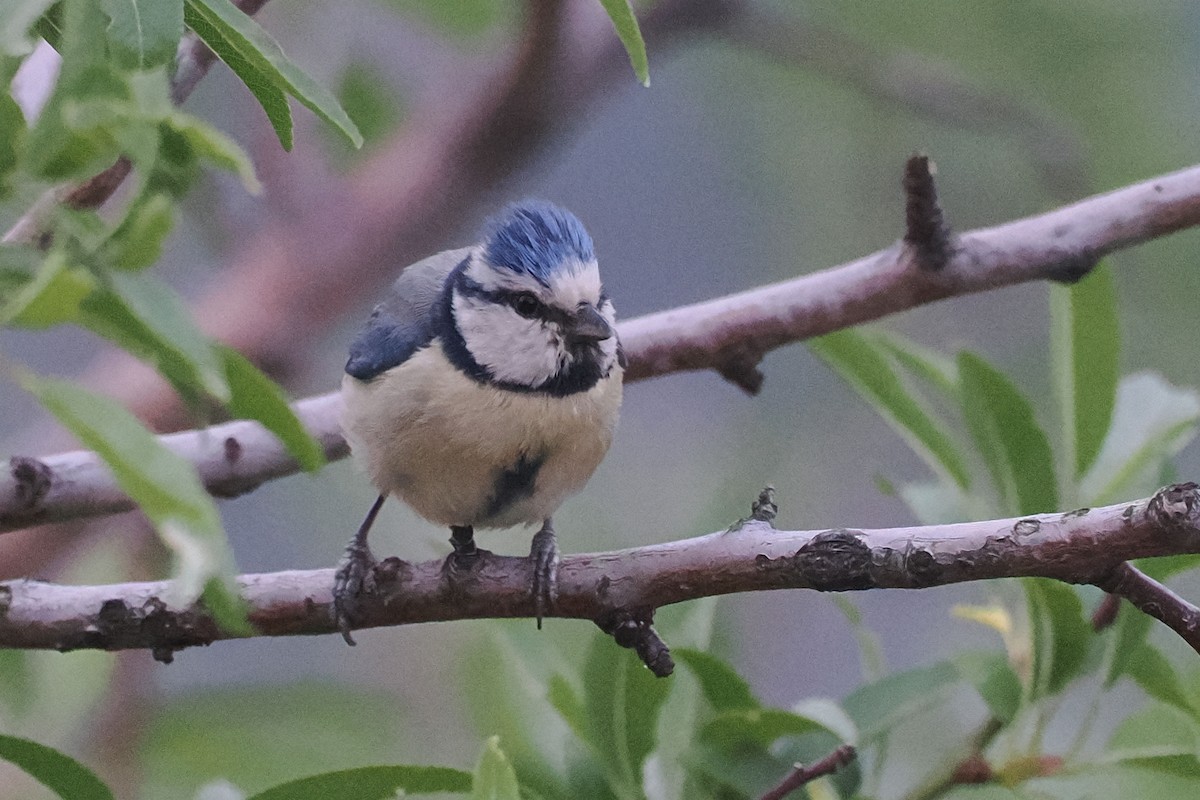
(729, 334)
(1083, 546)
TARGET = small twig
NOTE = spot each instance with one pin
(1152, 598)
(638, 634)
(1106, 612)
(925, 226)
(801, 774)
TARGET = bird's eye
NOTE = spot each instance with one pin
(526, 305)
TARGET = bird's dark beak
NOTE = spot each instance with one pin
(587, 326)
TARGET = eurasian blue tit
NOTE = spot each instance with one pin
(484, 391)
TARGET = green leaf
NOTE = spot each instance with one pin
(878, 707)
(865, 367)
(758, 727)
(146, 317)
(993, 677)
(59, 773)
(1128, 635)
(55, 150)
(1153, 671)
(12, 139)
(1116, 781)
(1061, 634)
(19, 17)
(370, 783)
(1161, 736)
(258, 60)
(932, 367)
(870, 649)
(624, 20)
(1153, 420)
(215, 147)
(164, 485)
(567, 703)
(494, 776)
(138, 242)
(1085, 346)
(255, 396)
(144, 33)
(622, 699)
(52, 297)
(202, 735)
(723, 688)
(1013, 446)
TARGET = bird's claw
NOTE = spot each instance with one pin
(350, 582)
(543, 554)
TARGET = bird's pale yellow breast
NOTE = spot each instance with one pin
(439, 439)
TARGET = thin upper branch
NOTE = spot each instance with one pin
(801, 774)
(728, 334)
(1084, 546)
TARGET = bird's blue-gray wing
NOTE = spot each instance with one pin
(403, 323)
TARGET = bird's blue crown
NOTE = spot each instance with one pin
(536, 238)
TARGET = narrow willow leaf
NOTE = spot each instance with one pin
(494, 778)
(624, 20)
(622, 700)
(255, 396)
(138, 242)
(19, 18)
(12, 138)
(878, 707)
(165, 486)
(142, 311)
(55, 150)
(932, 367)
(1085, 345)
(1155, 673)
(566, 702)
(1061, 634)
(216, 148)
(231, 31)
(1153, 420)
(59, 773)
(52, 297)
(723, 688)
(144, 33)
(269, 95)
(1013, 445)
(994, 678)
(371, 783)
(865, 367)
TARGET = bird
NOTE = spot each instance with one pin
(484, 391)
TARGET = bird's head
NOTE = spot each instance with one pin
(529, 306)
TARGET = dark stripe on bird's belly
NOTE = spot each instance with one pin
(514, 484)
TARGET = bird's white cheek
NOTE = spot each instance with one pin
(513, 349)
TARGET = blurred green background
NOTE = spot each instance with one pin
(730, 171)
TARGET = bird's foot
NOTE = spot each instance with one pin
(353, 579)
(466, 555)
(543, 556)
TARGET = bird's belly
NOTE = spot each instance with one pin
(464, 453)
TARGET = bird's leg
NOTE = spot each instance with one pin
(543, 554)
(462, 539)
(349, 581)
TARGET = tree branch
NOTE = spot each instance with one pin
(801, 774)
(1078, 547)
(729, 334)
(1152, 598)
